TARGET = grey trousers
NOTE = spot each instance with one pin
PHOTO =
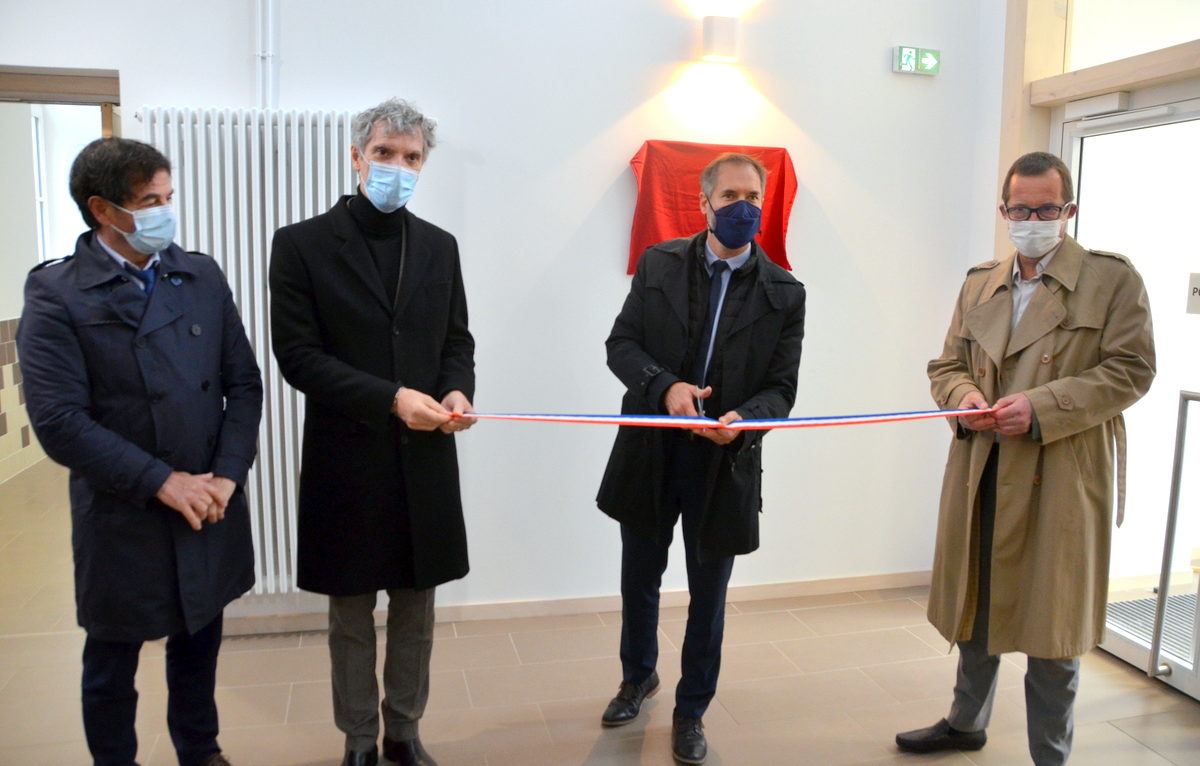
(1050, 685)
(356, 705)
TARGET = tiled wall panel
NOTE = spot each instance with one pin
(18, 446)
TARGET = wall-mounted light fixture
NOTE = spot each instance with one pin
(720, 38)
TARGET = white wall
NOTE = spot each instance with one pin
(1109, 30)
(18, 254)
(541, 105)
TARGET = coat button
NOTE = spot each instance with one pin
(1066, 401)
(980, 373)
(204, 386)
(196, 329)
(395, 331)
(1045, 359)
(1037, 481)
(140, 343)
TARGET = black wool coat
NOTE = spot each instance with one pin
(379, 504)
(122, 390)
(759, 358)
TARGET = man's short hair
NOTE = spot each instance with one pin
(1035, 164)
(708, 178)
(400, 117)
(111, 168)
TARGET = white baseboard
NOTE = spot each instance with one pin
(303, 612)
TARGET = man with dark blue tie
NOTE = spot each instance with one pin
(710, 327)
(140, 379)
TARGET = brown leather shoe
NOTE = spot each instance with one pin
(625, 707)
(940, 736)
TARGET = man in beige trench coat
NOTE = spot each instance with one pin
(1057, 339)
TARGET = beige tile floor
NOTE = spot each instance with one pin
(810, 680)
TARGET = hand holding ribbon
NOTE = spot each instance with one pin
(460, 408)
(722, 436)
(984, 421)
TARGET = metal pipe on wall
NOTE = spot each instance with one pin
(268, 53)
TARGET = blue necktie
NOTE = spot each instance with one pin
(148, 276)
(715, 291)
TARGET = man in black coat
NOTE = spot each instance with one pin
(369, 321)
(140, 379)
(711, 327)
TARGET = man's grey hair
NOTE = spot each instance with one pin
(399, 116)
(708, 178)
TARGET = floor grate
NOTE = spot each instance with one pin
(1137, 619)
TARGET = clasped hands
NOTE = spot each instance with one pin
(1013, 415)
(421, 412)
(199, 497)
(680, 399)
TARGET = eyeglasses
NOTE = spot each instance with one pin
(1044, 213)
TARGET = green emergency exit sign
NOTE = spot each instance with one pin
(910, 59)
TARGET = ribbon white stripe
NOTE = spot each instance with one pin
(681, 421)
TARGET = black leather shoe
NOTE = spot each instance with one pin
(688, 744)
(406, 752)
(628, 702)
(940, 736)
(355, 758)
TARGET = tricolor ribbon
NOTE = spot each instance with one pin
(683, 421)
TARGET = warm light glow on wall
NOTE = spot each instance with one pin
(702, 8)
(716, 98)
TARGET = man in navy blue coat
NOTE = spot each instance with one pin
(140, 379)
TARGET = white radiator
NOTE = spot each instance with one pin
(239, 175)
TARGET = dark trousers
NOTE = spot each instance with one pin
(643, 562)
(110, 699)
(352, 648)
(1050, 684)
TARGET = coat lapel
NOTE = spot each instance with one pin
(760, 301)
(165, 303)
(121, 300)
(1046, 309)
(414, 263)
(989, 320)
(1044, 312)
(356, 255)
(673, 282)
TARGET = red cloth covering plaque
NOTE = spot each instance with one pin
(668, 201)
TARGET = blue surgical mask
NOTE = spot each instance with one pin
(153, 228)
(736, 224)
(389, 187)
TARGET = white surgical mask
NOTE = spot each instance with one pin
(1033, 239)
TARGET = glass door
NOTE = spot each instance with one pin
(1138, 196)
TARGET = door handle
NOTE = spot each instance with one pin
(1156, 668)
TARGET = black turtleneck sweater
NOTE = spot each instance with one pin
(384, 233)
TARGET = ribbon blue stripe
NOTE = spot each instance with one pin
(763, 421)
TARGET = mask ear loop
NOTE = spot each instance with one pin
(129, 213)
